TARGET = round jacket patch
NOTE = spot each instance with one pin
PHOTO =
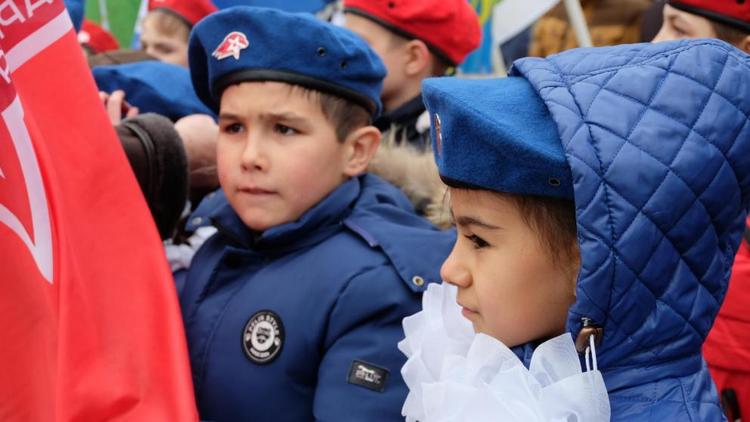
(263, 337)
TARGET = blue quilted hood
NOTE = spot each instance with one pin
(658, 141)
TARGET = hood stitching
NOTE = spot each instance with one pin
(606, 185)
(646, 59)
(608, 203)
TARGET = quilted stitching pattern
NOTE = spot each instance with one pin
(658, 141)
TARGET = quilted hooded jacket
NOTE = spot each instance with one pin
(658, 141)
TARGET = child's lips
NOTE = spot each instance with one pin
(467, 312)
(251, 190)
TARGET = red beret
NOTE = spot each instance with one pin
(449, 27)
(735, 13)
(191, 11)
(97, 38)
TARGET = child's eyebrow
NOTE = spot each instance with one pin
(466, 221)
(283, 116)
(228, 116)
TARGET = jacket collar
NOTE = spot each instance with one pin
(404, 115)
(315, 224)
(385, 219)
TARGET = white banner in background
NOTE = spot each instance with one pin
(513, 16)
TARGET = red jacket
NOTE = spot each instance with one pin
(727, 347)
(728, 344)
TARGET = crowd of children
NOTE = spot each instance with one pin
(316, 183)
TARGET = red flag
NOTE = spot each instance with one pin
(91, 324)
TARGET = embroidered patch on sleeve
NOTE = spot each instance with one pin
(367, 375)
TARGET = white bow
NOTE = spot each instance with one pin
(454, 374)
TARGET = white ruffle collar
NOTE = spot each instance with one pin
(454, 374)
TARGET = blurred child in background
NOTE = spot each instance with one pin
(166, 27)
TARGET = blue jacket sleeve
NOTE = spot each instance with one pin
(359, 377)
(180, 277)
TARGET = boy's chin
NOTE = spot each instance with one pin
(260, 224)
(260, 221)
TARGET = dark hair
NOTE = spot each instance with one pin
(553, 219)
(440, 65)
(728, 33)
(345, 116)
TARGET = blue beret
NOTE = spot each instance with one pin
(76, 12)
(496, 134)
(297, 6)
(153, 87)
(245, 43)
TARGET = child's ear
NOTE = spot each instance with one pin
(419, 59)
(361, 145)
(744, 44)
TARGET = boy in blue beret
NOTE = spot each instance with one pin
(293, 309)
(600, 195)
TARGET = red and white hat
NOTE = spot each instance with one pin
(97, 38)
(191, 11)
(735, 13)
(449, 27)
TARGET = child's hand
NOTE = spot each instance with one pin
(199, 133)
(116, 106)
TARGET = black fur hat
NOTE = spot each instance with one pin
(157, 156)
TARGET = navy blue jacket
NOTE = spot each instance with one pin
(658, 140)
(337, 284)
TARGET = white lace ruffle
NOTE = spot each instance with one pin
(454, 374)
(180, 256)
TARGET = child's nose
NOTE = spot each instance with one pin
(454, 272)
(253, 156)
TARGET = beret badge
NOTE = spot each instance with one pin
(438, 135)
(231, 46)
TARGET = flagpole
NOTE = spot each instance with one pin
(510, 18)
(103, 14)
(577, 19)
(498, 62)
(142, 11)
(499, 67)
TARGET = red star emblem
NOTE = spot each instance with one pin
(233, 43)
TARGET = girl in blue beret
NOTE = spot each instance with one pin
(600, 196)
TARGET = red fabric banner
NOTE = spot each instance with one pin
(92, 327)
